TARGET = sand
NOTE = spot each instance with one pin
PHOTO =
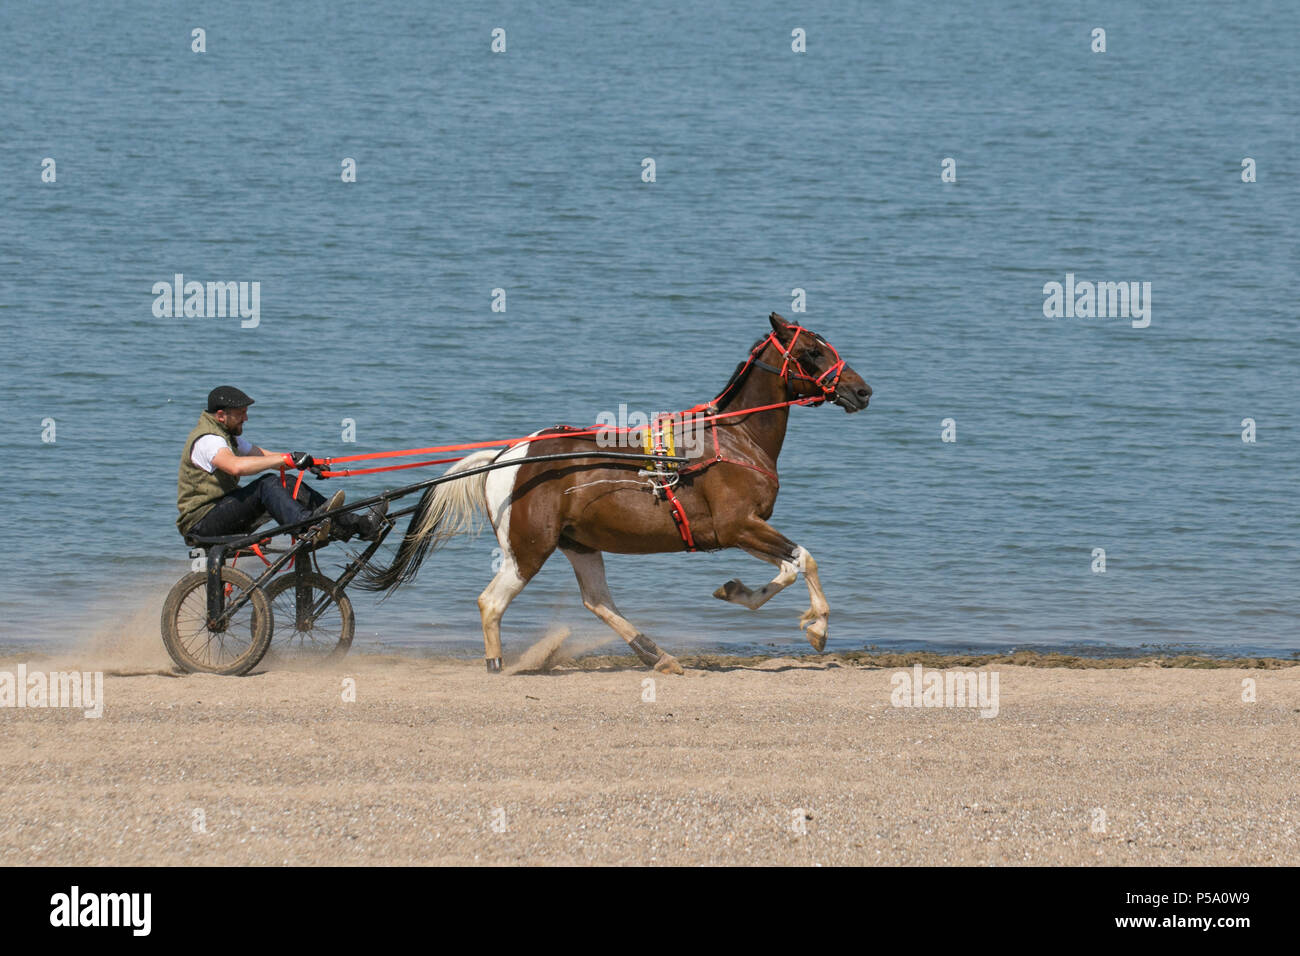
(740, 761)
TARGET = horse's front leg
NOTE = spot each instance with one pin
(816, 619)
(763, 541)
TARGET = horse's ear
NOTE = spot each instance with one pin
(780, 326)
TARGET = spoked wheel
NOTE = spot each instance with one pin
(318, 631)
(195, 647)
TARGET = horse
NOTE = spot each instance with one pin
(720, 499)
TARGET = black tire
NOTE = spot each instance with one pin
(328, 637)
(196, 649)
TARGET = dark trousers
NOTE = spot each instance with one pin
(248, 505)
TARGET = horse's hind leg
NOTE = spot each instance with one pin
(492, 604)
(515, 572)
(516, 568)
(763, 541)
(589, 566)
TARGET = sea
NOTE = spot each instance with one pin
(467, 221)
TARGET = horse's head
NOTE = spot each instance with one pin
(811, 366)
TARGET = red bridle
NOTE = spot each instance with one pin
(790, 366)
(837, 367)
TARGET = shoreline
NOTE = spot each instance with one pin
(940, 660)
(102, 654)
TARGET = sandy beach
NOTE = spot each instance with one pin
(740, 761)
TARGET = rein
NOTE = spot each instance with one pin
(790, 368)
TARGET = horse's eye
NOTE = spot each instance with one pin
(813, 354)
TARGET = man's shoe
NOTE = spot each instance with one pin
(323, 529)
(366, 526)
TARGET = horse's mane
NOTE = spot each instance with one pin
(730, 390)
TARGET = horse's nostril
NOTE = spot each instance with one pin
(865, 391)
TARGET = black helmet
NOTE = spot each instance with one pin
(227, 396)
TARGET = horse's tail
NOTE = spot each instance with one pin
(445, 510)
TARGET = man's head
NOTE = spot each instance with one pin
(229, 406)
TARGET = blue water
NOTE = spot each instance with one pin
(775, 171)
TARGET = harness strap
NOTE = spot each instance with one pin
(718, 456)
(284, 483)
(679, 517)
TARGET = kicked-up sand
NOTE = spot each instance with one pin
(392, 760)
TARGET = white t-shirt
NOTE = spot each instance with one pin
(206, 448)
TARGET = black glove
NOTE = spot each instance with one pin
(301, 459)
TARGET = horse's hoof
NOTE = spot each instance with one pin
(667, 664)
(493, 665)
(730, 590)
(817, 634)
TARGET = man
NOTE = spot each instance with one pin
(212, 502)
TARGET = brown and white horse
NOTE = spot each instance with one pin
(586, 507)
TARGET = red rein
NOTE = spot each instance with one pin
(789, 361)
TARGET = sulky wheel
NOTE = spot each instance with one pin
(190, 642)
(322, 631)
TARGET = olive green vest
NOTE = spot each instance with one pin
(197, 490)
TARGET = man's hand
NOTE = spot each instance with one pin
(301, 459)
(232, 464)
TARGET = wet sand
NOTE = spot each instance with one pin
(740, 761)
